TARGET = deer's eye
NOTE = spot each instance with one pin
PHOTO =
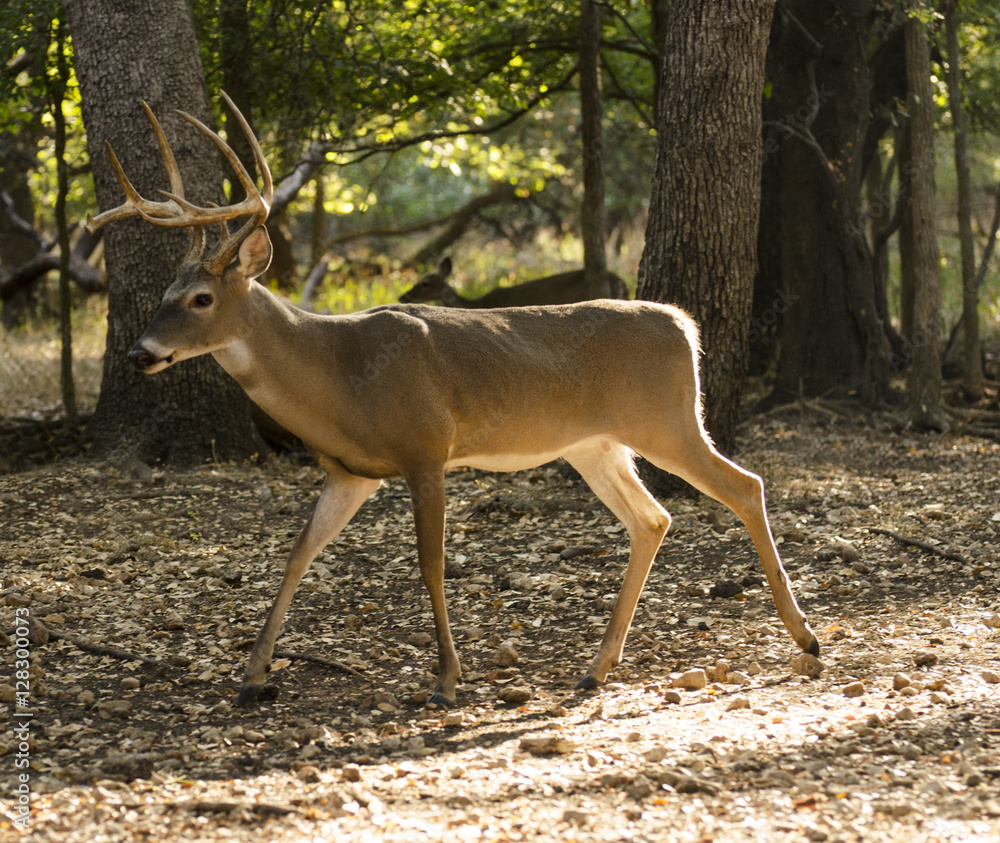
(203, 300)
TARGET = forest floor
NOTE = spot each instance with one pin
(144, 590)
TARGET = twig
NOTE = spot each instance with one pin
(102, 650)
(306, 657)
(947, 554)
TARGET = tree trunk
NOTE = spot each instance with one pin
(192, 411)
(57, 91)
(831, 338)
(972, 379)
(924, 376)
(595, 267)
(701, 237)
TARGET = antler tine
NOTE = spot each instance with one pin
(258, 154)
(166, 153)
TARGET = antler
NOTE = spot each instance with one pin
(177, 212)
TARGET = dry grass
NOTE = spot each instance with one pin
(29, 364)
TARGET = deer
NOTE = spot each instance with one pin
(564, 288)
(412, 391)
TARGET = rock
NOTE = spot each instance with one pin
(547, 745)
(173, 622)
(351, 773)
(356, 623)
(671, 697)
(806, 664)
(420, 639)
(574, 817)
(7, 693)
(640, 788)
(85, 698)
(900, 681)
(737, 703)
(308, 773)
(854, 689)
(691, 680)
(755, 669)
(990, 677)
(506, 655)
(906, 714)
(38, 633)
(121, 709)
(719, 673)
(847, 551)
(253, 736)
(474, 633)
(725, 589)
(655, 754)
(924, 659)
(738, 678)
(516, 695)
(130, 683)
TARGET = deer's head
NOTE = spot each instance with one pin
(433, 287)
(197, 313)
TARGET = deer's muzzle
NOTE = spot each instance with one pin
(143, 359)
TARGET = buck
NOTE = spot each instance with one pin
(412, 391)
(564, 288)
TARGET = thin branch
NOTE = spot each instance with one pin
(947, 554)
(306, 657)
(102, 650)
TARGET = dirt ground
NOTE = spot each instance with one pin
(141, 591)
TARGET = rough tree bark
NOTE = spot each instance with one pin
(924, 375)
(126, 54)
(831, 337)
(595, 267)
(701, 238)
(972, 370)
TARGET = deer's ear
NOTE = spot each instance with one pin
(255, 254)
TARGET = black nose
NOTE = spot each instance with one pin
(141, 358)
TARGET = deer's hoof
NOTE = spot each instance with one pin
(588, 683)
(441, 701)
(813, 648)
(248, 693)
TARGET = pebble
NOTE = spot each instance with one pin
(253, 736)
(516, 695)
(7, 693)
(309, 773)
(420, 639)
(351, 773)
(107, 709)
(737, 703)
(854, 689)
(692, 680)
(924, 659)
(85, 698)
(719, 673)
(130, 683)
(738, 678)
(990, 677)
(671, 697)
(506, 655)
(906, 714)
(38, 633)
(847, 551)
(900, 681)
(173, 621)
(806, 664)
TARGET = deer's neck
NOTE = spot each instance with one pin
(266, 341)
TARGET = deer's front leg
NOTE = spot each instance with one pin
(341, 497)
(427, 494)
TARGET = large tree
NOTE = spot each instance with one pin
(125, 54)
(700, 249)
(821, 140)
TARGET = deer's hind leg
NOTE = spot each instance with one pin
(608, 469)
(696, 460)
